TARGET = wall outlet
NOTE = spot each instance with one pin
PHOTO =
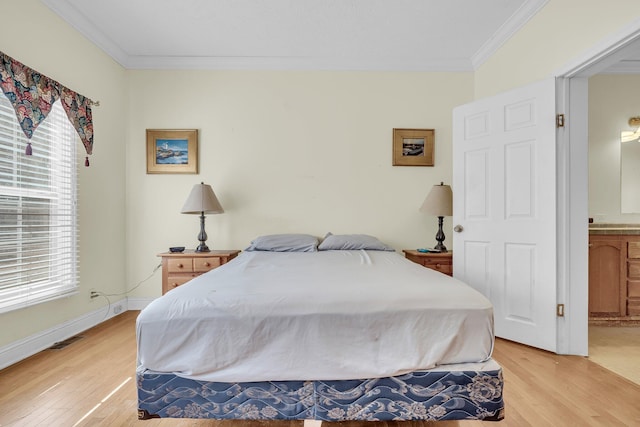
(117, 308)
(93, 294)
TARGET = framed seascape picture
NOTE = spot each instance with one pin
(413, 147)
(172, 151)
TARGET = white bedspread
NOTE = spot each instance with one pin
(328, 315)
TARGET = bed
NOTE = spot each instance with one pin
(352, 331)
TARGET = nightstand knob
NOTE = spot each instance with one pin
(458, 228)
(180, 265)
(207, 264)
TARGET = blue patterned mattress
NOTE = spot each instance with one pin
(422, 395)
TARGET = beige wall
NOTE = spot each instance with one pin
(287, 152)
(613, 99)
(50, 46)
(560, 32)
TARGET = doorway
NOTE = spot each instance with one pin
(614, 326)
(606, 345)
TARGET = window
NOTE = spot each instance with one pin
(38, 213)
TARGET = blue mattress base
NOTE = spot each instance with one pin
(421, 395)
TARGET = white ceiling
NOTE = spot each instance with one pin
(421, 35)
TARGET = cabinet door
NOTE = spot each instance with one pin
(606, 276)
(633, 298)
(633, 276)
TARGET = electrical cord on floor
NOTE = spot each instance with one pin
(106, 296)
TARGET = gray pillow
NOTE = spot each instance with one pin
(284, 243)
(352, 242)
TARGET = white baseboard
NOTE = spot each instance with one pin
(21, 349)
(138, 303)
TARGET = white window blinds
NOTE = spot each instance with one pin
(38, 214)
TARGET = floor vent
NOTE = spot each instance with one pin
(63, 344)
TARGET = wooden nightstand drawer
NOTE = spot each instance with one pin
(443, 266)
(442, 262)
(179, 268)
(177, 279)
(202, 265)
(179, 265)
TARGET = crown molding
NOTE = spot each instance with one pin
(85, 27)
(527, 11)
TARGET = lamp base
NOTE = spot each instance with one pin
(202, 236)
(440, 237)
(203, 248)
(440, 248)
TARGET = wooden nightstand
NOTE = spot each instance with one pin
(442, 262)
(180, 267)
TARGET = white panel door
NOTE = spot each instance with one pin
(504, 190)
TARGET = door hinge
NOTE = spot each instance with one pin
(560, 120)
(560, 310)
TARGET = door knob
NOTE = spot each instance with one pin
(458, 228)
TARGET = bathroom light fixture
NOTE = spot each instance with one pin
(631, 135)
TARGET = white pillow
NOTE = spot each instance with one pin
(284, 243)
(352, 242)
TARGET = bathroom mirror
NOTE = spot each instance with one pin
(630, 171)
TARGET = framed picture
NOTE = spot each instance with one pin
(413, 147)
(172, 151)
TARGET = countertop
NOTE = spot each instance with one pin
(633, 229)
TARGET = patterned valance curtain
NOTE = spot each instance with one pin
(32, 95)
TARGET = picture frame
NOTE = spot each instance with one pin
(413, 147)
(172, 151)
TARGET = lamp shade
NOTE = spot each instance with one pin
(439, 201)
(202, 199)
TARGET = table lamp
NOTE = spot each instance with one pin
(202, 200)
(439, 202)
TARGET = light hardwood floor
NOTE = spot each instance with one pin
(91, 382)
